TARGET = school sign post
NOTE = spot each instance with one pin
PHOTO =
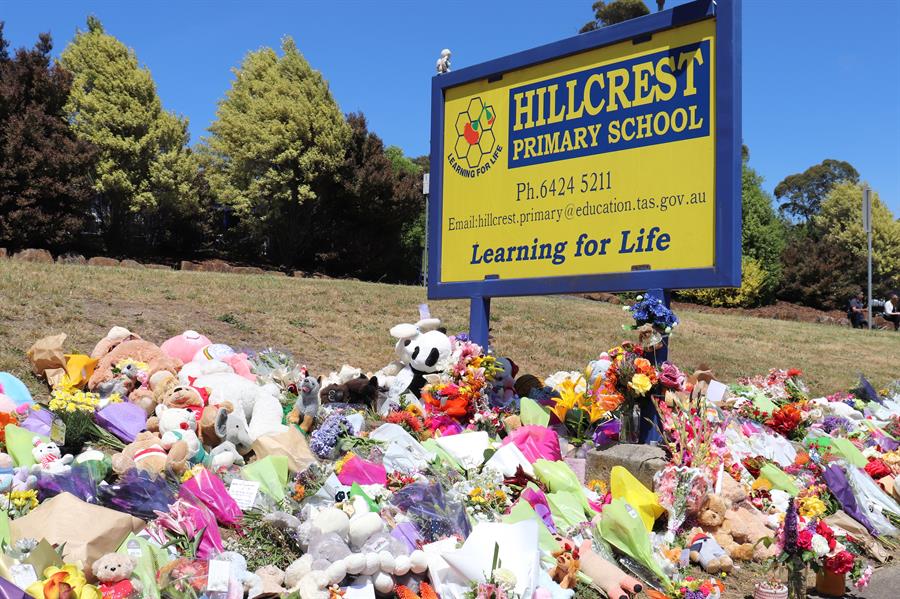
(609, 161)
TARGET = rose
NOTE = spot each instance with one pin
(825, 530)
(840, 563)
(640, 383)
(670, 376)
(804, 539)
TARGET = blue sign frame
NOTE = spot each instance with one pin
(726, 271)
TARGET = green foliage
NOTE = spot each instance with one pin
(278, 138)
(400, 162)
(751, 293)
(802, 193)
(763, 232)
(610, 12)
(825, 264)
(45, 187)
(144, 169)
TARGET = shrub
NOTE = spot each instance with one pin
(751, 293)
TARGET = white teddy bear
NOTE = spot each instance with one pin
(179, 424)
(49, 459)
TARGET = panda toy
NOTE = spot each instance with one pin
(421, 349)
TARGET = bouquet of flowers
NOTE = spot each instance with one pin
(574, 405)
(628, 379)
(681, 491)
(76, 409)
(500, 584)
(692, 588)
(485, 496)
(325, 439)
(652, 320)
(461, 385)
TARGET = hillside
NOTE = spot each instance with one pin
(327, 323)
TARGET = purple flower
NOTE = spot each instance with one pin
(832, 423)
(324, 439)
(790, 528)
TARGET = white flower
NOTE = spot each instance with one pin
(504, 577)
(555, 381)
(819, 545)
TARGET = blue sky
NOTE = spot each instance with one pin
(820, 77)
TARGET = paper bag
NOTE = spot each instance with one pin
(89, 531)
(290, 443)
(47, 354)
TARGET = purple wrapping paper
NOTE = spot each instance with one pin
(607, 433)
(124, 419)
(38, 422)
(406, 532)
(10, 591)
(538, 501)
(837, 483)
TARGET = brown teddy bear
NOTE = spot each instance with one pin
(114, 571)
(136, 349)
(565, 570)
(712, 514)
(167, 391)
(738, 531)
(146, 453)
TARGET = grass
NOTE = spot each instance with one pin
(327, 323)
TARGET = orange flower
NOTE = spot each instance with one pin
(6, 418)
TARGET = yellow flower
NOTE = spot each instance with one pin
(54, 577)
(812, 507)
(640, 383)
(566, 400)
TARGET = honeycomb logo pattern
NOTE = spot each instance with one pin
(475, 137)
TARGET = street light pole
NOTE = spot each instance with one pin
(867, 225)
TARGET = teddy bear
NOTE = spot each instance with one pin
(712, 513)
(179, 425)
(116, 336)
(146, 453)
(244, 397)
(114, 573)
(307, 404)
(170, 392)
(48, 457)
(737, 531)
(138, 350)
(361, 390)
(706, 551)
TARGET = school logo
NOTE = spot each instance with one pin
(476, 148)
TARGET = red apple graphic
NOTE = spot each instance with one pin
(470, 134)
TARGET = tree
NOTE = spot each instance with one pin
(278, 138)
(610, 12)
(366, 213)
(763, 232)
(143, 163)
(826, 264)
(802, 193)
(45, 188)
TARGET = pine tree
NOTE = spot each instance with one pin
(45, 188)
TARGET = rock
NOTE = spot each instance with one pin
(609, 298)
(32, 255)
(214, 266)
(3, 253)
(102, 261)
(299, 274)
(276, 273)
(643, 461)
(71, 258)
(131, 264)
(188, 265)
(248, 270)
(157, 267)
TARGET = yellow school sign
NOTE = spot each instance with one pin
(594, 163)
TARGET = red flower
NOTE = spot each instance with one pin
(794, 372)
(785, 419)
(804, 539)
(840, 563)
(825, 530)
(877, 468)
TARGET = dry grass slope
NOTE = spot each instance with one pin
(327, 323)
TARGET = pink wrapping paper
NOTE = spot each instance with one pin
(358, 470)
(209, 490)
(536, 442)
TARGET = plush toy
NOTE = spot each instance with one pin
(404, 333)
(7, 472)
(239, 362)
(114, 573)
(223, 456)
(146, 453)
(503, 392)
(137, 350)
(605, 575)
(48, 457)
(231, 427)
(115, 337)
(251, 584)
(168, 391)
(195, 370)
(737, 531)
(712, 513)
(185, 346)
(707, 552)
(307, 404)
(565, 571)
(257, 405)
(362, 390)
(272, 579)
(177, 425)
